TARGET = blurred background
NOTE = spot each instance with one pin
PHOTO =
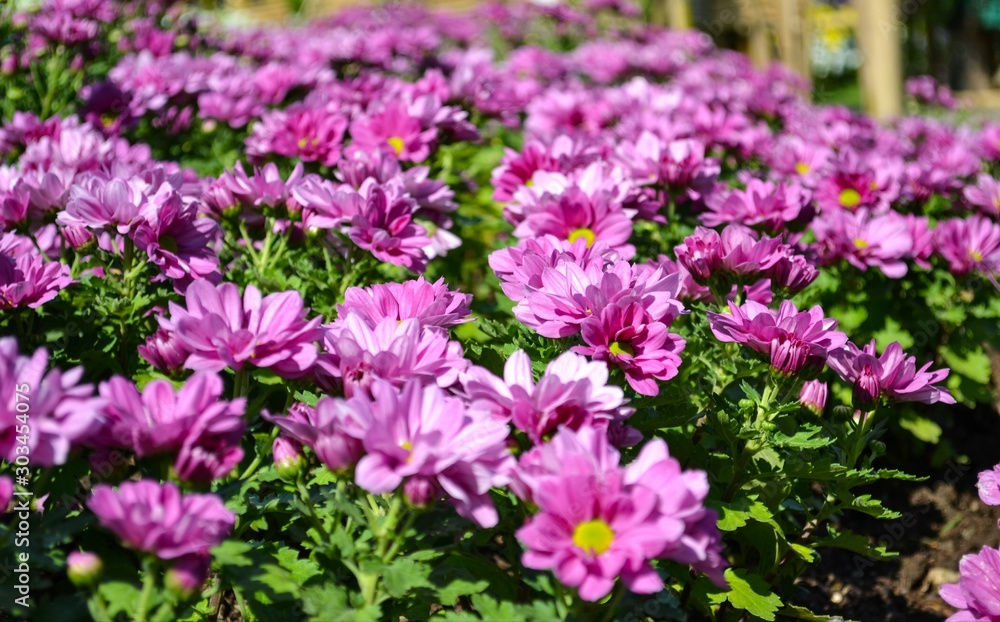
(857, 52)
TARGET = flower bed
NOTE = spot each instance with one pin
(543, 313)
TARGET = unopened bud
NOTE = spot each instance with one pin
(187, 575)
(288, 458)
(84, 569)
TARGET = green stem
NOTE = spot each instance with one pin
(860, 436)
(241, 383)
(102, 608)
(148, 584)
(311, 512)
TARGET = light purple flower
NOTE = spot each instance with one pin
(393, 350)
(893, 374)
(989, 486)
(735, 256)
(969, 244)
(27, 279)
(421, 432)
(761, 203)
(572, 392)
(333, 429)
(864, 240)
(431, 303)
(63, 413)
(191, 422)
(395, 130)
(792, 341)
(223, 329)
(156, 518)
(976, 595)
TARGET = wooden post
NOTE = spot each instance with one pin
(678, 14)
(880, 41)
(793, 43)
(759, 44)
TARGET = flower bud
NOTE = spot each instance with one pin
(813, 396)
(419, 491)
(288, 458)
(866, 391)
(84, 569)
(187, 575)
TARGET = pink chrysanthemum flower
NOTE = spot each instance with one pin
(793, 341)
(393, 350)
(625, 335)
(223, 329)
(892, 375)
(395, 130)
(572, 392)
(762, 203)
(191, 422)
(26, 278)
(969, 244)
(570, 294)
(308, 132)
(678, 165)
(977, 594)
(333, 430)
(735, 256)
(433, 304)
(520, 267)
(180, 243)
(984, 195)
(382, 223)
(865, 241)
(989, 485)
(574, 215)
(156, 518)
(599, 522)
(63, 413)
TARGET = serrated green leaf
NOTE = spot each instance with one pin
(924, 429)
(404, 575)
(750, 592)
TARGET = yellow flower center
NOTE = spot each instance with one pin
(594, 536)
(860, 244)
(396, 143)
(408, 446)
(850, 197)
(975, 255)
(620, 348)
(108, 119)
(529, 183)
(583, 232)
(802, 168)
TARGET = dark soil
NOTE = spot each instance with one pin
(942, 520)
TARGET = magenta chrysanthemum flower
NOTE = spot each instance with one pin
(761, 203)
(574, 215)
(333, 429)
(62, 413)
(989, 485)
(865, 241)
(599, 522)
(969, 244)
(307, 132)
(116, 205)
(156, 518)
(626, 335)
(679, 165)
(223, 329)
(26, 278)
(420, 435)
(977, 594)
(382, 223)
(794, 342)
(892, 375)
(180, 243)
(191, 422)
(395, 130)
(431, 303)
(164, 351)
(735, 256)
(572, 392)
(393, 350)
(520, 267)
(985, 195)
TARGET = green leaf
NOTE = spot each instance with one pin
(331, 602)
(732, 516)
(752, 593)
(970, 361)
(301, 569)
(801, 613)
(404, 575)
(924, 429)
